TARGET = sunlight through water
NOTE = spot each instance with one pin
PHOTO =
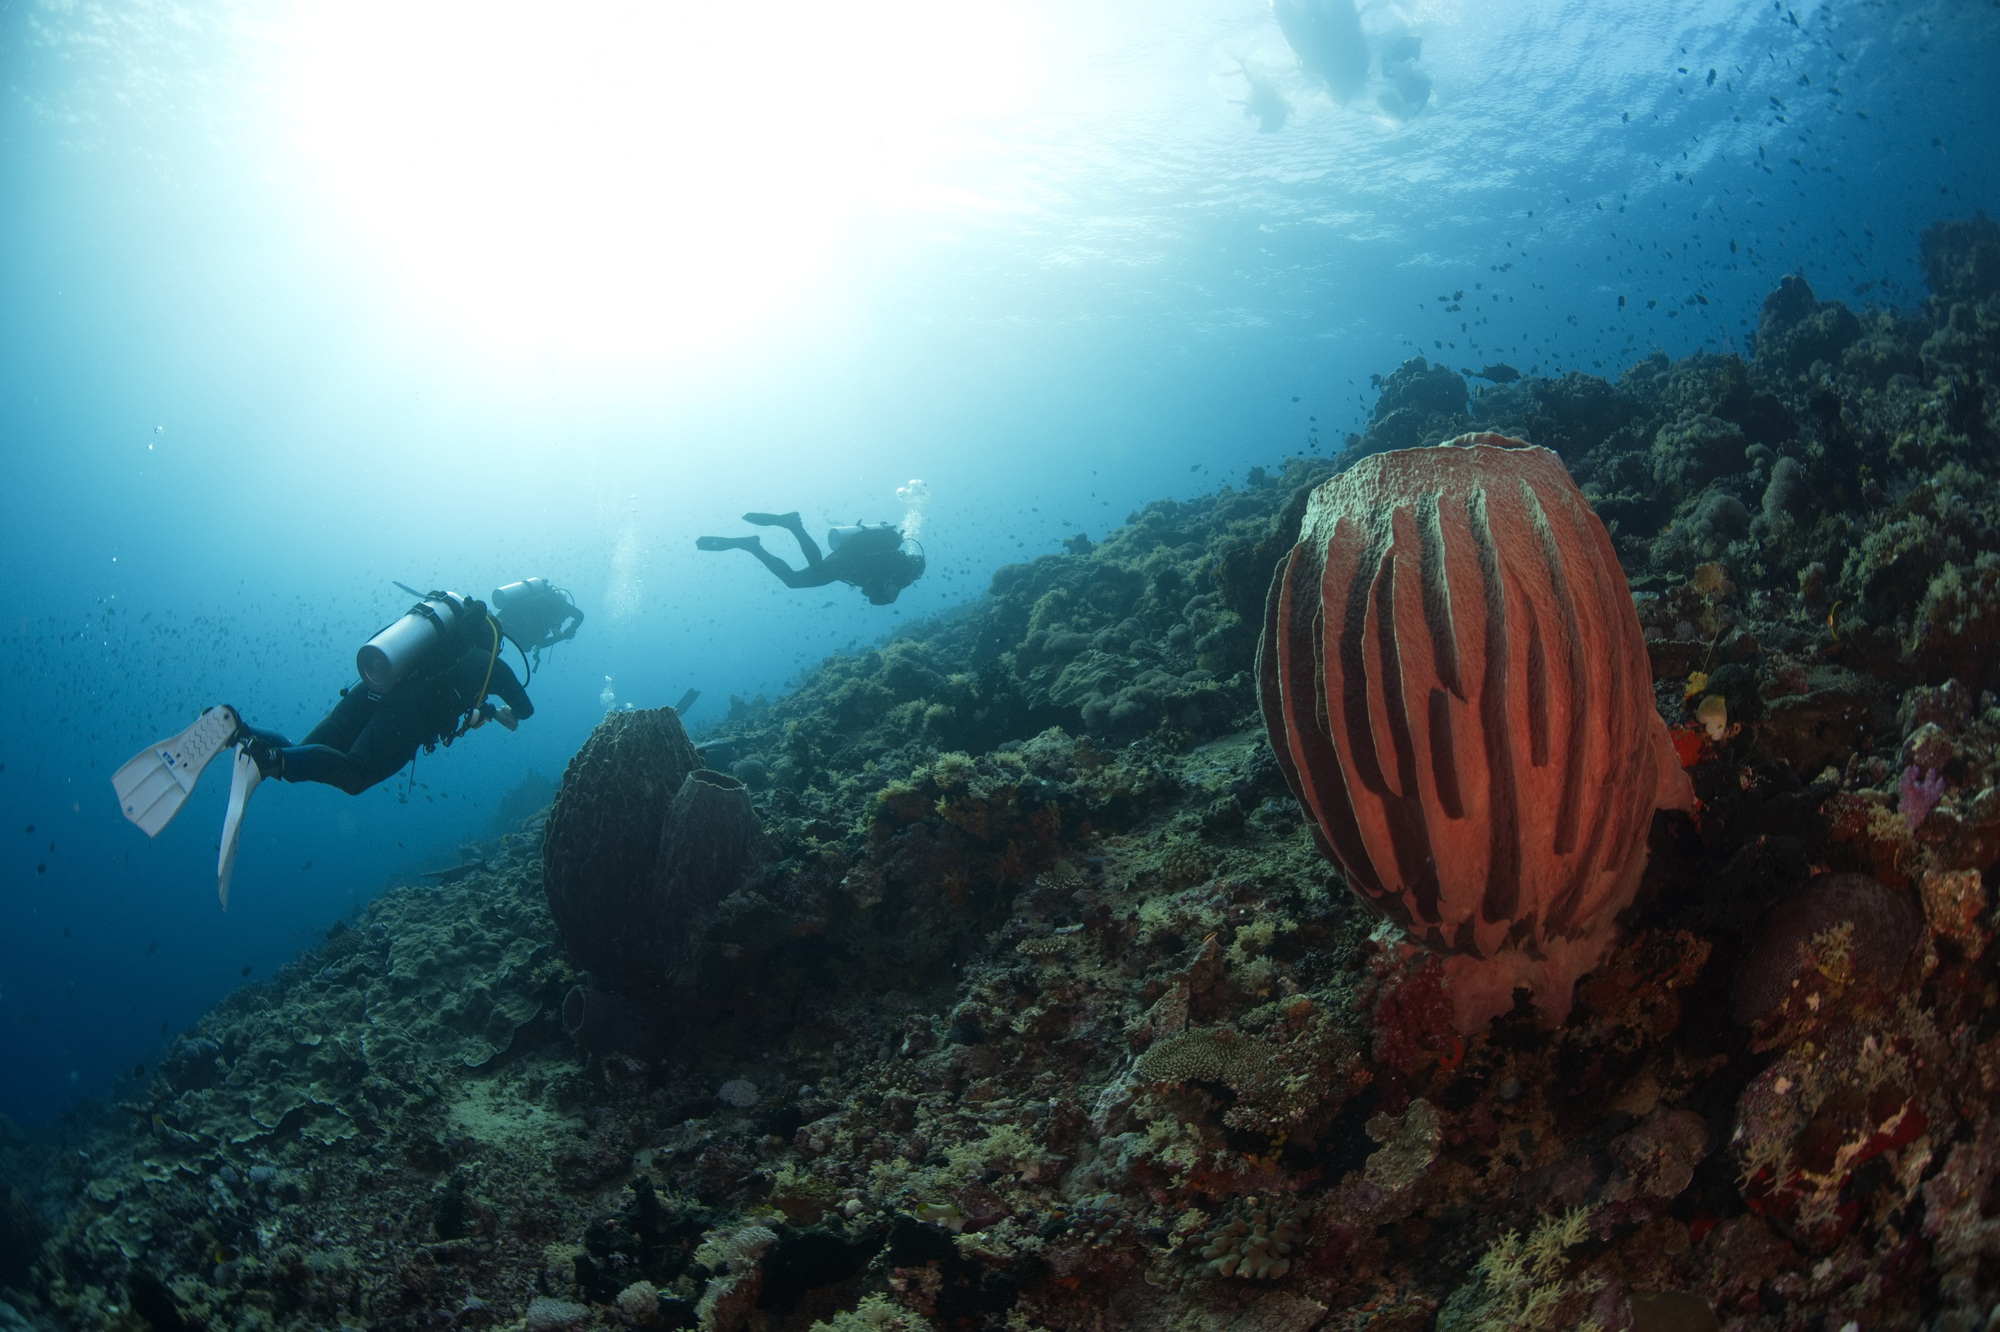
(634, 178)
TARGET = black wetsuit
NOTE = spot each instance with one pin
(870, 558)
(368, 737)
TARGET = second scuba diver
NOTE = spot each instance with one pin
(873, 557)
(425, 679)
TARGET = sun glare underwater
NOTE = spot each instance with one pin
(882, 389)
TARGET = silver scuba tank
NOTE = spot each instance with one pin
(526, 589)
(386, 658)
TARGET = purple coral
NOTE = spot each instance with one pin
(1918, 795)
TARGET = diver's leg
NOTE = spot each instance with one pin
(267, 748)
(323, 764)
(807, 577)
(790, 522)
(390, 740)
(339, 727)
(258, 733)
(385, 743)
(322, 757)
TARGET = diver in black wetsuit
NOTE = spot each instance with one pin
(873, 557)
(371, 734)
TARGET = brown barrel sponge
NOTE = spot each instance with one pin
(704, 850)
(1456, 686)
(602, 845)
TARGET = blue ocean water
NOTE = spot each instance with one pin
(300, 299)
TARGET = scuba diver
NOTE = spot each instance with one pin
(874, 557)
(425, 680)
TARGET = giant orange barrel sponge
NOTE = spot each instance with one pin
(1457, 689)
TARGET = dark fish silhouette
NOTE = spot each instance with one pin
(1499, 373)
(456, 872)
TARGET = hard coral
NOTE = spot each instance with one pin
(1256, 1246)
(1454, 681)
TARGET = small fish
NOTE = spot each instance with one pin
(1499, 373)
(163, 1028)
(30, 830)
(308, 865)
(244, 972)
(152, 948)
(455, 873)
(138, 1071)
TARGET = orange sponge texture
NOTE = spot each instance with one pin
(1456, 686)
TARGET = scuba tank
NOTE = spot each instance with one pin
(526, 589)
(386, 658)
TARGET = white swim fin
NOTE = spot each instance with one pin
(156, 783)
(244, 775)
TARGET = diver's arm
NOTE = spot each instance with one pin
(508, 686)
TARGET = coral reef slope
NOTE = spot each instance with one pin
(1032, 1004)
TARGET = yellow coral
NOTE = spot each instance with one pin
(1521, 1282)
(875, 1313)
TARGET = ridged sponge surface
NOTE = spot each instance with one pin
(1455, 683)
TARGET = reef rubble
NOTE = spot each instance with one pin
(1016, 995)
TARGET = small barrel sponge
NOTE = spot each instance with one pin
(1456, 687)
(704, 849)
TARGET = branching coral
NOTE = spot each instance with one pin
(1522, 1283)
